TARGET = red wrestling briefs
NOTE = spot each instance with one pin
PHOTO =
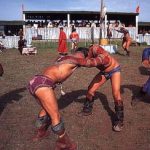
(40, 81)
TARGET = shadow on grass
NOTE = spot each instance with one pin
(10, 97)
(73, 96)
(144, 71)
(136, 94)
(118, 53)
(68, 98)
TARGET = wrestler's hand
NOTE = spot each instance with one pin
(69, 59)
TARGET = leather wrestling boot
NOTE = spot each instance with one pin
(64, 143)
(42, 124)
(118, 125)
(88, 107)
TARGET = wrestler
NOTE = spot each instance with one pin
(74, 37)
(42, 87)
(109, 69)
(145, 89)
(146, 63)
(126, 39)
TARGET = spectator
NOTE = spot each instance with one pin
(74, 37)
(21, 44)
(62, 43)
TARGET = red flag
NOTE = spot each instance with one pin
(138, 9)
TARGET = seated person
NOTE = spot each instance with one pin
(21, 44)
(42, 87)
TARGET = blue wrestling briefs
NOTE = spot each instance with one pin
(108, 75)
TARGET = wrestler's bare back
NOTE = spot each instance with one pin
(60, 72)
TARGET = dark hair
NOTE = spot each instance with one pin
(83, 50)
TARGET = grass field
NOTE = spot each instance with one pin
(18, 109)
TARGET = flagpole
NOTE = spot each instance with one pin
(22, 9)
(101, 8)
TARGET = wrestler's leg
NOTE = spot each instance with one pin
(124, 45)
(93, 87)
(42, 124)
(115, 81)
(48, 101)
(72, 47)
(127, 47)
(76, 45)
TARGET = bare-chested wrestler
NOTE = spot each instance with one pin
(109, 69)
(146, 63)
(42, 87)
(126, 39)
(145, 89)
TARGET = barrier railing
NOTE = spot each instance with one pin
(52, 34)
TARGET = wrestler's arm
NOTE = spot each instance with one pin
(118, 30)
(90, 62)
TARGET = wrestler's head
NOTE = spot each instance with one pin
(82, 50)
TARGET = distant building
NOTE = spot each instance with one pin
(10, 28)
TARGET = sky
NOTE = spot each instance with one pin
(12, 9)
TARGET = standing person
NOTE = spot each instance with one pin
(20, 33)
(109, 32)
(93, 26)
(62, 43)
(126, 42)
(74, 37)
(42, 87)
(109, 69)
(21, 44)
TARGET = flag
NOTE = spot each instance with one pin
(138, 9)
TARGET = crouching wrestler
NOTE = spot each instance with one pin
(145, 89)
(109, 69)
(42, 87)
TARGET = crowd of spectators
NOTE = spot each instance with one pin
(50, 24)
(144, 32)
(76, 23)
